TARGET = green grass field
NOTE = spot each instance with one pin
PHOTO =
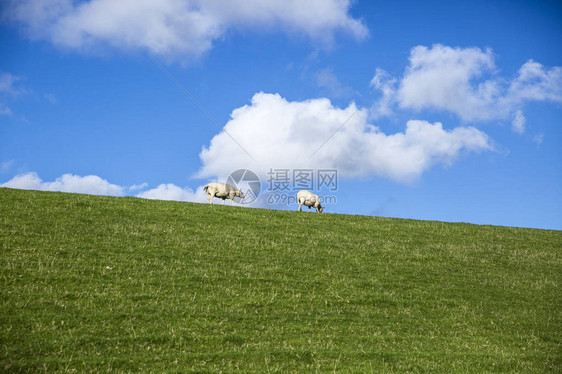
(98, 284)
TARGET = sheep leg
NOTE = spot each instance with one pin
(300, 207)
(210, 197)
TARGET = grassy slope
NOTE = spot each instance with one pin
(96, 283)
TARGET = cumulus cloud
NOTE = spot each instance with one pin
(175, 27)
(464, 81)
(90, 184)
(441, 78)
(172, 192)
(535, 83)
(282, 134)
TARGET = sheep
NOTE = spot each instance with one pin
(222, 191)
(310, 200)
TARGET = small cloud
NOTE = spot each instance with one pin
(89, 184)
(385, 208)
(384, 82)
(9, 89)
(9, 86)
(326, 79)
(441, 78)
(51, 98)
(313, 56)
(538, 139)
(172, 192)
(5, 110)
(534, 82)
(94, 185)
(138, 187)
(6, 166)
(518, 123)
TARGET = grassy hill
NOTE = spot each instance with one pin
(101, 284)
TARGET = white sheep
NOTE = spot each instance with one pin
(310, 200)
(222, 191)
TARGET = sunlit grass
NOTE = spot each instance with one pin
(123, 284)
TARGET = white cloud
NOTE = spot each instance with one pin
(90, 184)
(518, 123)
(174, 28)
(8, 84)
(138, 187)
(386, 84)
(441, 78)
(6, 166)
(9, 88)
(535, 83)
(51, 98)
(281, 134)
(325, 78)
(464, 81)
(94, 185)
(172, 192)
(5, 110)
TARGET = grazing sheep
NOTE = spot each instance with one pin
(222, 191)
(310, 200)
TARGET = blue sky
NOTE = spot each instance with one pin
(451, 111)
